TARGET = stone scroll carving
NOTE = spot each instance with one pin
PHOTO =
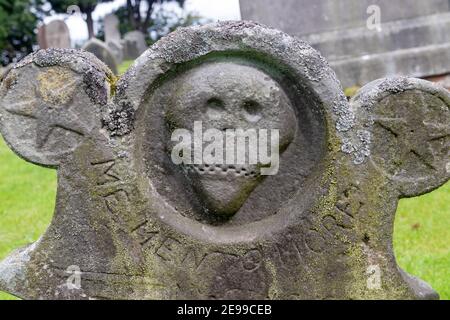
(134, 224)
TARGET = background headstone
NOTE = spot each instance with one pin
(412, 39)
(112, 28)
(101, 51)
(116, 48)
(113, 37)
(443, 80)
(54, 35)
(134, 45)
(131, 224)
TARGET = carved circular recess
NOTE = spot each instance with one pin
(43, 111)
(411, 139)
(234, 76)
(224, 94)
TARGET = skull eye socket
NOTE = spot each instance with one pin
(215, 108)
(252, 111)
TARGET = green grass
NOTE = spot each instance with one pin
(125, 65)
(421, 237)
(27, 199)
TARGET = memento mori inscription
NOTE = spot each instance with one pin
(138, 223)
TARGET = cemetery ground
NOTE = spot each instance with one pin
(421, 236)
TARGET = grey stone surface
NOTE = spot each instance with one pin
(303, 17)
(103, 52)
(137, 226)
(133, 45)
(413, 40)
(54, 35)
(116, 49)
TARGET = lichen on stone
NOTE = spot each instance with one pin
(119, 118)
(96, 75)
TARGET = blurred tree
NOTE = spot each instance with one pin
(87, 7)
(140, 20)
(162, 21)
(19, 19)
(165, 21)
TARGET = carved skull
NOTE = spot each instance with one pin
(224, 96)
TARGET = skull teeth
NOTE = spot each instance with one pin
(205, 169)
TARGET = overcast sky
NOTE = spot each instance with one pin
(212, 9)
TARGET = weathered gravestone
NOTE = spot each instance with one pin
(54, 35)
(113, 37)
(366, 39)
(134, 45)
(101, 51)
(112, 28)
(130, 223)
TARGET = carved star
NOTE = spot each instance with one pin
(48, 117)
(415, 134)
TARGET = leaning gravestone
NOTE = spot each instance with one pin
(101, 51)
(134, 45)
(113, 37)
(54, 35)
(130, 223)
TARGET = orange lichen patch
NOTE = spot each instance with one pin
(56, 86)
